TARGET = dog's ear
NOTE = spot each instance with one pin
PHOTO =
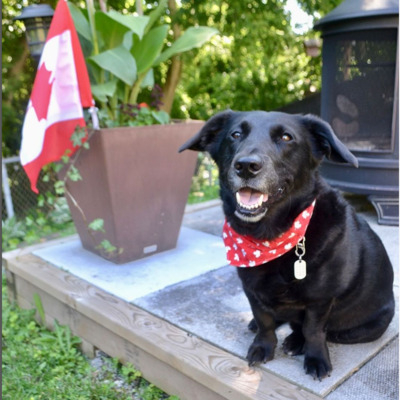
(326, 143)
(203, 140)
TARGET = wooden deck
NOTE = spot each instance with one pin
(169, 357)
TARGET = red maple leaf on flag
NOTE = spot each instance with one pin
(41, 92)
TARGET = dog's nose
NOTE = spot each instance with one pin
(248, 166)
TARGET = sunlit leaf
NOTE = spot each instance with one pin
(97, 225)
(134, 23)
(81, 23)
(120, 62)
(149, 48)
(191, 38)
(104, 90)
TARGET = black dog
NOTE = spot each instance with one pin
(268, 164)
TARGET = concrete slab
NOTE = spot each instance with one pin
(209, 219)
(377, 380)
(214, 307)
(196, 253)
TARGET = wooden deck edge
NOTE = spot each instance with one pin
(168, 356)
(154, 370)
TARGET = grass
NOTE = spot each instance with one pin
(42, 364)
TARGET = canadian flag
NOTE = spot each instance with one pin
(60, 91)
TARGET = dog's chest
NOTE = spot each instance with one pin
(273, 291)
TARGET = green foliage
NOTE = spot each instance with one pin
(35, 361)
(13, 233)
(18, 74)
(39, 307)
(79, 137)
(97, 225)
(133, 115)
(109, 248)
(204, 193)
(319, 8)
(74, 174)
(205, 184)
(38, 225)
(122, 50)
(42, 364)
(257, 62)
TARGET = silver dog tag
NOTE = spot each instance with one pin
(300, 269)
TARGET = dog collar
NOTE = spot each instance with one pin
(245, 251)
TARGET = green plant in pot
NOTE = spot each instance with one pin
(133, 179)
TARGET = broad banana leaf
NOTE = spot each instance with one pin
(135, 23)
(104, 90)
(149, 48)
(80, 21)
(120, 62)
(191, 38)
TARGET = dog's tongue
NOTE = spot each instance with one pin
(250, 197)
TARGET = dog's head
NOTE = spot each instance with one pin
(266, 157)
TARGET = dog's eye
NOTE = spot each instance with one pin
(236, 135)
(286, 137)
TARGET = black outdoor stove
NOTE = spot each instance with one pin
(359, 98)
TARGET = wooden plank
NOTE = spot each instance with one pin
(10, 279)
(221, 372)
(154, 370)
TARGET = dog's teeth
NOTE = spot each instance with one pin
(238, 198)
(250, 206)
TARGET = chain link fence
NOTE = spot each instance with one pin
(17, 197)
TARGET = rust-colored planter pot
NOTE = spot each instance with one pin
(134, 179)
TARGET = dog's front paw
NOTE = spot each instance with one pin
(260, 351)
(317, 367)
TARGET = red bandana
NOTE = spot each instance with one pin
(245, 251)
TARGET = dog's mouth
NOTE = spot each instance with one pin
(251, 205)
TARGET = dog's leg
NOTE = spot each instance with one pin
(293, 345)
(316, 361)
(263, 347)
(252, 326)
